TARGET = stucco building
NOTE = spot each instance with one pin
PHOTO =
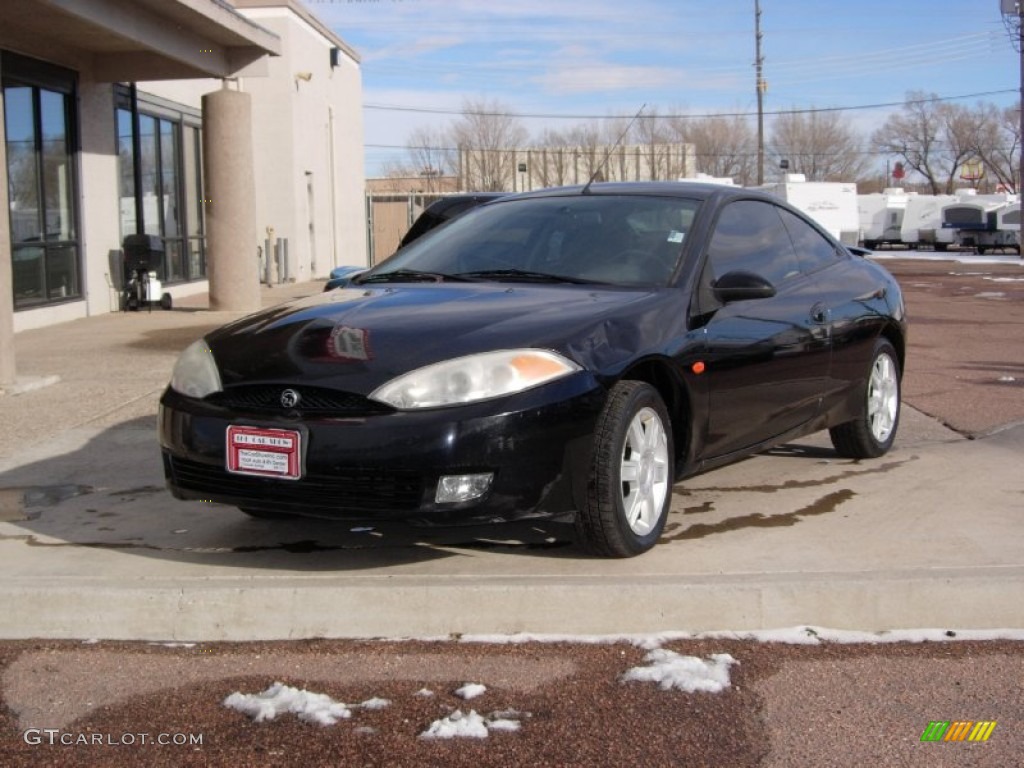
(204, 123)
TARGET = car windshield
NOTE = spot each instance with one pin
(628, 240)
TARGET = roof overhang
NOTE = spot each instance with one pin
(129, 40)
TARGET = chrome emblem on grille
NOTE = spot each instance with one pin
(290, 398)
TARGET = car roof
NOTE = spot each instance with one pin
(442, 204)
(693, 190)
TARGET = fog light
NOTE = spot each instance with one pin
(455, 488)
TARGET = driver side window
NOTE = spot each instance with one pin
(750, 236)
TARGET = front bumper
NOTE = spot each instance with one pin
(386, 465)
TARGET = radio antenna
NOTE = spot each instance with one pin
(608, 154)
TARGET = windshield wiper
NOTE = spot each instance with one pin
(407, 276)
(523, 274)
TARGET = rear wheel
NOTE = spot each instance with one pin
(631, 472)
(872, 433)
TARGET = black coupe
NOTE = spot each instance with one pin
(568, 352)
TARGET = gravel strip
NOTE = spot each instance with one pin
(822, 705)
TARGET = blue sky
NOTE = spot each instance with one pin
(569, 60)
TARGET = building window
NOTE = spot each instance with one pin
(168, 201)
(39, 125)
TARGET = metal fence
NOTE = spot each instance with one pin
(388, 218)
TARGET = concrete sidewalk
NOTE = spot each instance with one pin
(106, 369)
(92, 545)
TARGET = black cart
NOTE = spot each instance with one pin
(143, 258)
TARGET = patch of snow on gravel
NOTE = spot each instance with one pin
(457, 725)
(685, 673)
(471, 691)
(284, 699)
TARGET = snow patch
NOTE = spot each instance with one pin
(799, 635)
(685, 673)
(284, 699)
(457, 725)
(471, 691)
(503, 725)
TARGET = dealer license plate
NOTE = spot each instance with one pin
(264, 452)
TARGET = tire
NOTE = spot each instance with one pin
(263, 514)
(872, 433)
(166, 302)
(629, 486)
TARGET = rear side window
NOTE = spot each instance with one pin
(750, 236)
(813, 250)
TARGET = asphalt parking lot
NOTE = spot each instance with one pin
(93, 547)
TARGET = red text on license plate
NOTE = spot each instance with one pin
(264, 452)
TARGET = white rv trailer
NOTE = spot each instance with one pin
(832, 204)
(1008, 220)
(974, 221)
(881, 217)
(922, 222)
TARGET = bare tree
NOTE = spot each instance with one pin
(931, 137)
(725, 146)
(588, 143)
(654, 135)
(486, 136)
(997, 143)
(430, 158)
(820, 145)
(553, 169)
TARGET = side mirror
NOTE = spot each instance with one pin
(741, 285)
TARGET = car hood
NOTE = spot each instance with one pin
(358, 338)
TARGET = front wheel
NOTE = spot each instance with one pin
(872, 433)
(631, 472)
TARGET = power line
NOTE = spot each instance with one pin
(775, 150)
(564, 116)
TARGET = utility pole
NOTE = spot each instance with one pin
(762, 86)
(1020, 105)
(1012, 12)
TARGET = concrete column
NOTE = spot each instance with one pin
(231, 237)
(7, 368)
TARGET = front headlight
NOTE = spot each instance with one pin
(475, 377)
(195, 374)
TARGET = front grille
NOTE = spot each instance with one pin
(351, 491)
(267, 397)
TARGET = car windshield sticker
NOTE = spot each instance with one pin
(675, 236)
